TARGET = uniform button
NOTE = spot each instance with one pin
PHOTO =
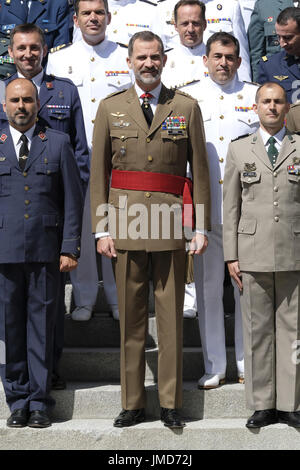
(93, 79)
(275, 203)
(24, 173)
(148, 140)
(221, 97)
(275, 173)
(221, 117)
(221, 160)
(92, 59)
(122, 138)
(48, 172)
(27, 202)
(26, 188)
(221, 138)
(249, 180)
(276, 219)
(242, 229)
(26, 216)
(174, 138)
(276, 189)
(93, 100)
(221, 181)
(93, 121)
(147, 194)
(150, 159)
(115, 31)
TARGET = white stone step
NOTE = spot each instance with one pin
(103, 401)
(99, 434)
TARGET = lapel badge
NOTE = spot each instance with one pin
(280, 77)
(270, 19)
(2, 159)
(49, 85)
(296, 160)
(219, 6)
(42, 136)
(3, 137)
(250, 167)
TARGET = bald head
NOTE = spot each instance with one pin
(21, 104)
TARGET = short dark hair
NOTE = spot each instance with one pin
(26, 29)
(76, 5)
(270, 85)
(28, 80)
(224, 39)
(147, 36)
(182, 3)
(290, 13)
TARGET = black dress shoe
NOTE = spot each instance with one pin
(129, 418)
(262, 418)
(292, 418)
(18, 418)
(57, 383)
(39, 419)
(171, 418)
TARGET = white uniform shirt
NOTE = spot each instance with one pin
(247, 7)
(131, 16)
(97, 71)
(227, 114)
(184, 67)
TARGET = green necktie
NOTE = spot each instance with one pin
(272, 150)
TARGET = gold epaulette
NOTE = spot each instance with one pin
(58, 48)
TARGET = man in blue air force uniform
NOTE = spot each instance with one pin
(40, 225)
(52, 16)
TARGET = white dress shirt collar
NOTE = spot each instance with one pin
(15, 134)
(155, 93)
(278, 137)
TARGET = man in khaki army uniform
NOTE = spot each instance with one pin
(145, 150)
(262, 249)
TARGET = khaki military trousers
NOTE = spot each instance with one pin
(132, 280)
(271, 312)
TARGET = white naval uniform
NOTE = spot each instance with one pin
(184, 67)
(227, 113)
(247, 7)
(131, 16)
(96, 71)
(184, 70)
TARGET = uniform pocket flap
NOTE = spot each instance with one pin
(48, 27)
(119, 80)
(5, 170)
(248, 118)
(250, 177)
(122, 134)
(165, 135)
(50, 220)
(247, 226)
(270, 29)
(47, 169)
(117, 199)
(295, 178)
(1, 221)
(296, 226)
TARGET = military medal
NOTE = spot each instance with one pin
(122, 151)
(121, 124)
(293, 170)
(243, 109)
(296, 160)
(175, 125)
(219, 6)
(270, 19)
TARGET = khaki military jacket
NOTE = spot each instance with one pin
(123, 141)
(262, 205)
(293, 118)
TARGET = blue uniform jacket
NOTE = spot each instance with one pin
(52, 16)
(60, 108)
(283, 69)
(40, 208)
